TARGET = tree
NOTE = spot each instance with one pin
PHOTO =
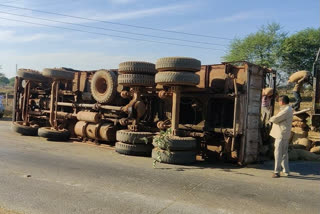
(299, 50)
(262, 48)
(3, 79)
(11, 81)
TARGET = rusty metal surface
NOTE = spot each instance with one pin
(96, 131)
(79, 128)
(92, 117)
(224, 105)
(107, 132)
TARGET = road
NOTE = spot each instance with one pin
(39, 176)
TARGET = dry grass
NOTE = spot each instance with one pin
(9, 90)
(5, 211)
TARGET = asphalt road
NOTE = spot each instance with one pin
(38, 176)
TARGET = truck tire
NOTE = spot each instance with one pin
(177, 157)
(58, 74)
(135, 67)
(176, 143)
(178, 64)
(52, 134)
(134, 149)
(32, 75)
(136, 80)
(177, 78)
(127, 136)
(24, 130)
(104, 86)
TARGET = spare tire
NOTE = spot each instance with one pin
(176, 143)
(52, 134)
(136, 80)
(134, 149)
(32, 75)
(127, 136)
(18, 127)
(177, 157)
(135, 67)
(177, 78)
(58, 74)
(104, 86)
(178, 64)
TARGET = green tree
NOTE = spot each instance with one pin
(262, 48)
(11, 81)
(3, 79)
(299, 50)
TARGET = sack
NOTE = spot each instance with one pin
(302, 116)
(315, 149)
(305, 143)
(297, 146)
(306, 155)
(300, 124)
(267, 91)
(297, 133)
(295, 118)
(295, 77)
(299, 130)
(293, 155)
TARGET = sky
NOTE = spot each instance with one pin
(95, 45)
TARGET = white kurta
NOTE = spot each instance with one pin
(281, 131)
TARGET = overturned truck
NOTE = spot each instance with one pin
(174, 110)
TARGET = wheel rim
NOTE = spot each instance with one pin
(101, 86)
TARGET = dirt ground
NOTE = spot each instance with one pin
(4, 211)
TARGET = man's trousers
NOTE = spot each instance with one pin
(281, 159)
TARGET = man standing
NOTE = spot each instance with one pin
(297, 89)
(265, 109)
(281, 131)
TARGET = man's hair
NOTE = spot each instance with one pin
(284, 99)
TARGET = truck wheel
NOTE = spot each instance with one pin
(58, 73)
(177, 78)
(134, 149)
(52, 134)
(177, 157)
(127, 136)
(176, 143)
(32, 75)
(135, 67)
(178, 64)
(104, 86)
(24, 130)
(136, 80)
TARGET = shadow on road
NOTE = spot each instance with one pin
(307, 170)
(199, 165)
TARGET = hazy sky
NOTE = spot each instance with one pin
(37, 47)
